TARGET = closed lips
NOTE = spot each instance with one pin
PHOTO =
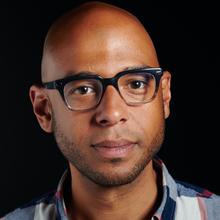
(113, 144)
(114, 149)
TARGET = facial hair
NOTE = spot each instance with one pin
(74, 155)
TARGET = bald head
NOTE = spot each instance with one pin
(91, 30)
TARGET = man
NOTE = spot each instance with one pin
(105, 98)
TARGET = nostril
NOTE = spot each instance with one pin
(123, 120)
(104, 122)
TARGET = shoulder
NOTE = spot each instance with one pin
(29, 210)
(197, 201)
(191, 191)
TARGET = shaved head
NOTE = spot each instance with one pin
(98, 40)
(96, 25)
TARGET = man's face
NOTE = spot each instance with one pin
(114, 142)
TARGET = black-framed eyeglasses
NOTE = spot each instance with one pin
(84, 92)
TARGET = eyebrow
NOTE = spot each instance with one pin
(136, 67)
(89, 73)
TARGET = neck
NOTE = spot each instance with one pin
(137, 200)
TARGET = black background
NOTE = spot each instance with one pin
(186, 40)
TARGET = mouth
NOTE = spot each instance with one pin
(114, 149)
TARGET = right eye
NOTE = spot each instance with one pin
(82, 90)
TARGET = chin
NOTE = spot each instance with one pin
(115, 174)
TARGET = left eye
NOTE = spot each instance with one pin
(137, 84)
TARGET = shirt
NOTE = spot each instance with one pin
(180, 201)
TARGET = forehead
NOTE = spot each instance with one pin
(105, 47)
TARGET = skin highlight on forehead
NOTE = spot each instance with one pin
(92, 22)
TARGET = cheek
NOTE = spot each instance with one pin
(75, 126)
(148, 118)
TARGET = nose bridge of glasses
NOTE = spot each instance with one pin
(110, 82)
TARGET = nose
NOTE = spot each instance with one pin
(112, 109)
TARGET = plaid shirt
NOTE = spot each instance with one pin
(181, 201)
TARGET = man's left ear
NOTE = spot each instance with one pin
(166, 92)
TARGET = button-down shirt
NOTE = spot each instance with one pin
(180, 201)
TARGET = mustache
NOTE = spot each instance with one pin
(114, 134)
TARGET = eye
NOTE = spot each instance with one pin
(137, 84)
(82, 90)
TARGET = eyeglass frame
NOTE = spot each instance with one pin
(59, 84)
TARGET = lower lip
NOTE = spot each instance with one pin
(115, 152)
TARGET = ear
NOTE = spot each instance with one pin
(41, 107)
(166, 92)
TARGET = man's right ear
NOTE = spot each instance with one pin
(41, 107)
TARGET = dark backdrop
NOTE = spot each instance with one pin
(187, 44)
